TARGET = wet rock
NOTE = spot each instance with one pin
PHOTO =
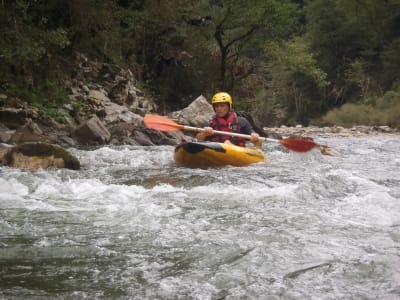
(142, 138)
(163, 138)
(39, 155)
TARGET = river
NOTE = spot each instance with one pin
(132, 225)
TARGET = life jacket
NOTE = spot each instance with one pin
(229, 124)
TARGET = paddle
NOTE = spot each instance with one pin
(164, 124)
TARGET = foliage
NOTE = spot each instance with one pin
(391, 62)
(27, 39)
(234, 30)
(295, 59)
(349, 38)
(50, 98)
(296, 82)
(354, 114)
(385, 112)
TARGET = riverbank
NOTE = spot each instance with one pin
(106, 107)
(338, 131)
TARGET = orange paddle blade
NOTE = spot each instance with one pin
(161, 123)
(298, 145)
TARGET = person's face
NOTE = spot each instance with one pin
(221, 109)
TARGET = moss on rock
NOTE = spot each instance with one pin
(47, 150)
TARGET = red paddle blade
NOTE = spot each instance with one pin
(161, 123)
(298, 145)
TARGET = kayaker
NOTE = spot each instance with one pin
(226, 119)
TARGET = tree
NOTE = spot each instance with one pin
(237, 27)
(29, 36)
(352, 40)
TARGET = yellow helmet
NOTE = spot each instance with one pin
(222, 97)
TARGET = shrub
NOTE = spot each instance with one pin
(359, 114)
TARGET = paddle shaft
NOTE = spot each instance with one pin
(240, 135)
(164, 124)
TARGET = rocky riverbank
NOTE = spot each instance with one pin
(106, 107)
(313, 131)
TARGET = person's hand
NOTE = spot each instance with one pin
(201, 136)
(208, 131)
(255, 139)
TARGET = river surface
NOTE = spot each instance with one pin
(132, 225)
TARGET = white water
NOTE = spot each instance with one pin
(132, 225)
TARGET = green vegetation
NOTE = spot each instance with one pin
(49, 98)
(283, 61)
(385, 111)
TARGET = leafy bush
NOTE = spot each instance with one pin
(49, 98)
(359, 114)
(390, 105)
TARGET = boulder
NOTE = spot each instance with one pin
(197, 114)
(92, 132)
(38, 155)
(162, 138)
(115, 113)
(142, 138)
(30, 132)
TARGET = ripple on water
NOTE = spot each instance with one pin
(133, 225)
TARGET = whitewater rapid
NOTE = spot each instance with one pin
(133, 225)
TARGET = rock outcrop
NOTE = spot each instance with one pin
(105, 107)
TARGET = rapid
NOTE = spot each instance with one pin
(133, 225)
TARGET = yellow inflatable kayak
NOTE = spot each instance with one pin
(211, 154)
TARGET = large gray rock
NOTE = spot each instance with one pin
(98, 96)
(92, 132)
(115, 113)
(197, 114)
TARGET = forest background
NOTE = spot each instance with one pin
(319, 62)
